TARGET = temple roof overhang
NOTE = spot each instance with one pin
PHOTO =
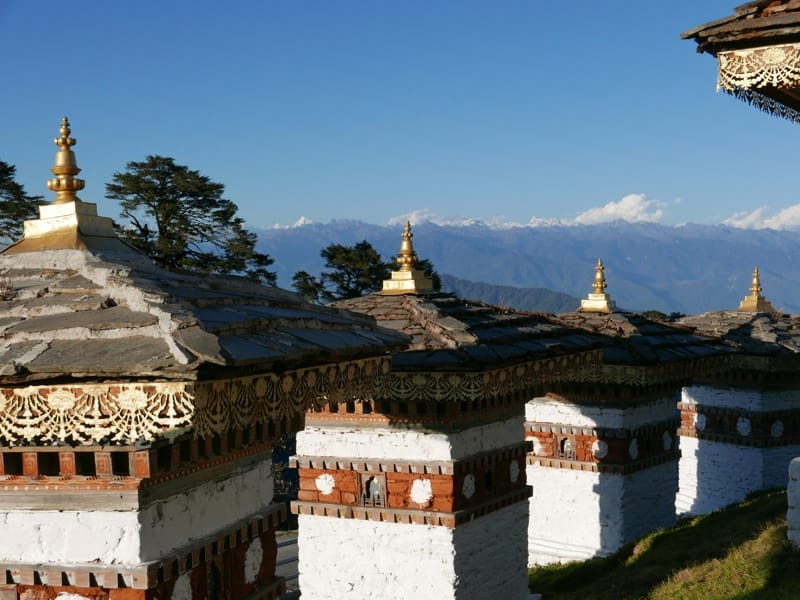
(758, 54)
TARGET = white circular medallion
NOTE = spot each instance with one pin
(776, 430)
(513, 471)
(421, 491)
(743, 426)
(633, 449)
(599, 449)
(325, 484)
(667, 440)
(700, 422)
(468, 488)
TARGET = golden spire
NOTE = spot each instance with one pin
(755, 302)
(407, 279)
(65, 167)
(407, 257)
(68, 223)
(598, 301)
(599, 284)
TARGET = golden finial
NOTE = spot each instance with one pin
(755, 287)
(407, 280)
(755, 302)
(599, 284)
(65, 167)
(407, 257)
(598, 301)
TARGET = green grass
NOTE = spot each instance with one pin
(737, 553)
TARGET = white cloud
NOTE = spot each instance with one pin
(633, 208)
(786, 218)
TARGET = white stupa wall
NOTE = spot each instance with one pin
(550, 410)
(480, 560)
(793, 500)
(393, 444)
(575, 515)
(739, 398)
(714, 474)
(133, 537)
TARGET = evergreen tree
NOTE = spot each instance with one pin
(354, 271)
(15, 205)
(179, 218)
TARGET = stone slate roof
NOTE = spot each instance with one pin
(636, 340)
(759, 334)
(451, 334)
(75, 314)
(760, 23)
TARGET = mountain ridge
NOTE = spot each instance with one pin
(689, 268)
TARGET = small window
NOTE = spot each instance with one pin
(374, 491)
(121, 464)
(566, 448)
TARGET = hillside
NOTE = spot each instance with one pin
(688, 269)
(538, 299)
(740, 552)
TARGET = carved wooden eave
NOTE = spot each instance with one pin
(758, 54)
(110, 349)
(767, 347)
(643, 353)
(127, 413)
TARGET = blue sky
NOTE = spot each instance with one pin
(372, 110)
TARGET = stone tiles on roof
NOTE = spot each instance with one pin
(632, 339)
(758, 334)
(82, 314)
(752, 24)
(448, 333)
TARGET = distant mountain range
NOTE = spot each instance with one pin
(538, 299)
(688, 269)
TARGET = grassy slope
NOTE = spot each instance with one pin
(737, 553)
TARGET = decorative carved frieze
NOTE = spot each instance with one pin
(126, 413)
(441, 486)
(504, 382)
(603, 450)
(740, 426)
(777, 66)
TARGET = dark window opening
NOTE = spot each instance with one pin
(12, 462)
(47, 463)
(121, 464)
(84, 464)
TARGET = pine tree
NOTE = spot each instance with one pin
(180, 219)
(15, 205)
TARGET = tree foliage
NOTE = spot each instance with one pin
(353, 271)
(180, 219)
(15, 205)
(426, 266)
